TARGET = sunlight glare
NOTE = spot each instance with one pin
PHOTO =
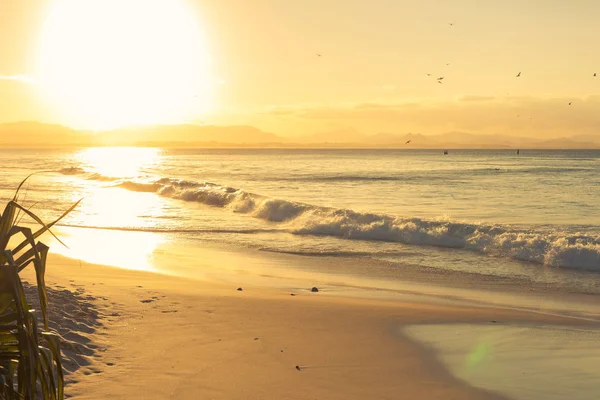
(104, 64)
(129, 250)
(117, 207)
(118, 162)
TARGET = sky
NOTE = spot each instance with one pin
(102, 64)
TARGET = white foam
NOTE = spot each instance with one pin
(556, 249)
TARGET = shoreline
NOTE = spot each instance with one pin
(202, 337)
(359, 277)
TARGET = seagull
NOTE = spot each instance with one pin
(408, 141)
(439, 81)
(519, 74)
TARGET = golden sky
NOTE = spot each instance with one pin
(101, 64)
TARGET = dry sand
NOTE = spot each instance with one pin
(151, 336)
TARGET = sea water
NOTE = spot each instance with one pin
(523, 362)
(534, 215)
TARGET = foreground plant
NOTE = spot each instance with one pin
(30, 365)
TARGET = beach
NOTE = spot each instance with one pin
(299, 200)
(435, 277)
(155, 335)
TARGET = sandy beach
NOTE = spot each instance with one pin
(144, 335)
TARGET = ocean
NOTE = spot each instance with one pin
(533, 217)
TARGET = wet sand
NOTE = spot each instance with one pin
(157, 336)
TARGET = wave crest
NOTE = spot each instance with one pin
(551, 248)
(71, 171)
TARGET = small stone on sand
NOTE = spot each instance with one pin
(298, 367)
(314, 289)
(239, 289)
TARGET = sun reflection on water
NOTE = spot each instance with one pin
(117, 207)
(119, 162)
(107, 205)
(124, 249)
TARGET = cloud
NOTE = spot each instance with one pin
(535, 116)
(279, 111)
(19, 78)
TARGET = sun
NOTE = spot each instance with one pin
(110, 63)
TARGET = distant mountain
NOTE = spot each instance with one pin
(470, 139)
(186, 135)
(568, 143)
(454, 140)
(36, 134)
(590, 138)
(336, 136)
(394, 139)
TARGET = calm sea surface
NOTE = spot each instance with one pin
(535, 215)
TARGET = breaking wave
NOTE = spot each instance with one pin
(545, 246)
(92, 176)
(71, 171)
(171, 230)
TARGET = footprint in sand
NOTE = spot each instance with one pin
(147, 301)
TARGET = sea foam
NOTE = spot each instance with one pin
(556, 249)
(545, 247)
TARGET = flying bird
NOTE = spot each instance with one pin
(408, 141)
(439, 81)
(440, 78)
(519, 74)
